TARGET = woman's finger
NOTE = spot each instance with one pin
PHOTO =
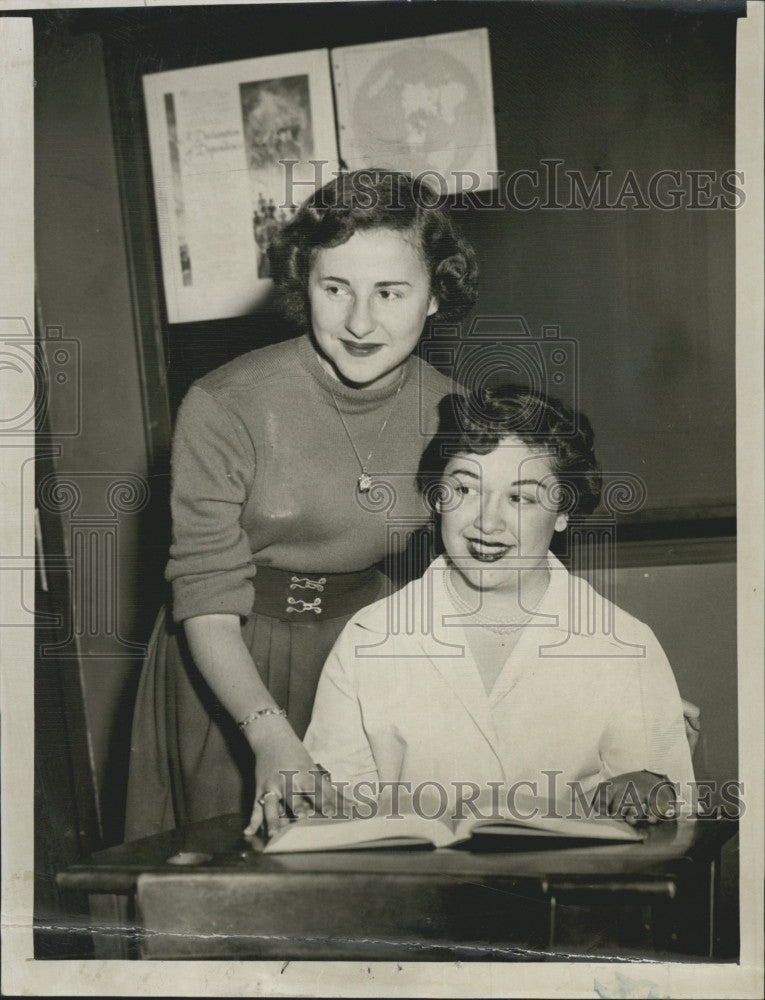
(630, 815)
(662, 802)
(332, 799)
(324, 795)
(272, 809)
(301, 806)
(256, 820)
(307, 792)
(306, 799)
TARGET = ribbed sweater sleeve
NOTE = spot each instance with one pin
(213, 466)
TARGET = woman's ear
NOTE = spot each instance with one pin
(561, 521)
(432, 305)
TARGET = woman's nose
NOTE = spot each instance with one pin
(359, 321)
(489, 518)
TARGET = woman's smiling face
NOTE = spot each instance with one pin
(369, 299)
(502, 517)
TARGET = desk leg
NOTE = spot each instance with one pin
(111, 918)
(688, 924)
(552, 914)
(713, 904)
(702, 897)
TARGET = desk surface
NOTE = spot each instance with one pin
(235, 901)
(666, 848)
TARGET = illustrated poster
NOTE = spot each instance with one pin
(217, 135)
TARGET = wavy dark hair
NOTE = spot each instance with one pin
(361, 200)
(475, 424)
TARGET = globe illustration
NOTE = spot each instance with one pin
(421, 107)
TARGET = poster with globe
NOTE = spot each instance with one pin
(423, 105)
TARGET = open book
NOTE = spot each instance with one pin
(412, 830)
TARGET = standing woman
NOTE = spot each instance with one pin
(277, 536)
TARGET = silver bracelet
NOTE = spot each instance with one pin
(259, 715)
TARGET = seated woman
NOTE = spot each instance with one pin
(493, 677)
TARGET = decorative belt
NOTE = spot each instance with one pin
(293, 596)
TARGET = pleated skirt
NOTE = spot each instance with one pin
(188, 759)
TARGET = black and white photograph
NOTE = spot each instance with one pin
(382, 533)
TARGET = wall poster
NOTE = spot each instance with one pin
(419, 104)
(217, 134)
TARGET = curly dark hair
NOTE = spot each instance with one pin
(477, 422)
(367, 199)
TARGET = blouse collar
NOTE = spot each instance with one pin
(553, 604)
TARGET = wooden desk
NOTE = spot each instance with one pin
(232, 901)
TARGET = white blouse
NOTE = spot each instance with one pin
(587, 693)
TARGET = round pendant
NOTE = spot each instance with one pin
(365, 482)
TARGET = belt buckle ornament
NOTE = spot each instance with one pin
(300, 606)
(307, 584)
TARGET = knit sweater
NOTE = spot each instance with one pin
(263, 472)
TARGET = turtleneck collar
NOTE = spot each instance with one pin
(357, 398)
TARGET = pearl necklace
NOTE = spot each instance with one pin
(481, 618)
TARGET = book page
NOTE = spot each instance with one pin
(512, 812)
(323, 834)
(600, 828)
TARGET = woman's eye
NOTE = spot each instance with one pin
(464, 490)
(520, 500)
(336, 291)
(387, 294)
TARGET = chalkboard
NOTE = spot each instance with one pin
(612, 224)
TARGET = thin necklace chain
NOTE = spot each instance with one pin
(479, 617)
(364, 482)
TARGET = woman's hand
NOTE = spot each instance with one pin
(287, 782)
(639, 797)
(225, 663)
